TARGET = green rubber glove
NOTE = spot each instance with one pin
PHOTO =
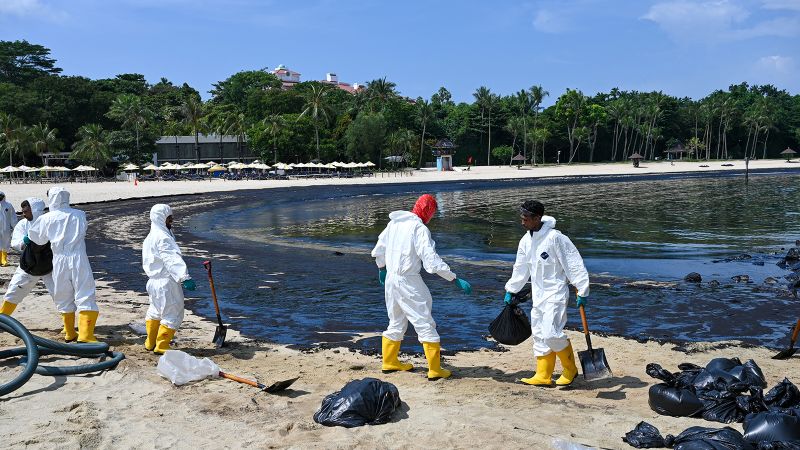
(189, 284)
(26, 240)
(464, 285)
(507, 298)
(382, 276)
(581, 301)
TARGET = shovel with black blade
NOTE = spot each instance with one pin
(271, 389)
(219, 333)
(593, 361)
(787, 353)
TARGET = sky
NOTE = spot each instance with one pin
(681, 47)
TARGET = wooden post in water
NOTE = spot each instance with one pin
(746, 169)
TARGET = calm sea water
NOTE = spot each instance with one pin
(299, 270)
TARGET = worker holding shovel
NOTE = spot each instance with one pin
(164, 265)
(550, 261)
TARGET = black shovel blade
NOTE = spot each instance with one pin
(785, 354)
(594, 364)
(280, 385)
(219, 336)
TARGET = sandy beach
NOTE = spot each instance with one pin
(482, 405)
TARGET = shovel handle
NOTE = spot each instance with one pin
(796, 332)
(586, 328)
(241, 380)
(207, 265)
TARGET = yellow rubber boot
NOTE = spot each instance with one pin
(3, 258)
(567, 358)
(433, 355)
(86, 322)
(8, 308)
(69, 326)
(165, 336)
(390, 362)
(544, 371)
(152, 333)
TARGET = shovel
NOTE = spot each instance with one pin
(219, 333)
(593, 361)
(786, 354)
(271, 389)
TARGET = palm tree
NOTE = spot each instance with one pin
(380, 91)
(132, 113)
(92, 146)
(317, 107)
(274, 124)
(400, 142)
(193, 112)
(487, 101)
(218, 120)
(523, 104)
(424, 114)
(43, 139)
(10, 129)
(537, 95)
(237, 126)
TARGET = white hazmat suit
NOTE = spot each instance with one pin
(550, 261)
(164, 265)
(65, 229)
(8, 219)
(22, 282)
(404, 247)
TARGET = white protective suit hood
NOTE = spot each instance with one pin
(2, 195)
(548, 223)
(403, 216)
(158, 217)
(58, 198)
(37, 206)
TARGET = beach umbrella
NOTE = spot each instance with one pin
(33, 169)
(130, 166)
(369, 164)
(150, 166)
(788, 153)
(10, 169)
(217, 168)
(635, 158)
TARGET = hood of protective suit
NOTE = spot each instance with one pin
(425, 207)
(548, 223)
(37, 206)
(58, 198)
(158, 217)
(399, 216)
(2, 195)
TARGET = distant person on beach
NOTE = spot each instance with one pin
(469, 162)
(403, 248)
(22, 282)
(550, 261)
(8, 219)
(168, 277)
(73, 283)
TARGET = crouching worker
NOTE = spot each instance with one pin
(550, 261)
(163, 264)
(64, 228)
(402, 249)
(22, 282)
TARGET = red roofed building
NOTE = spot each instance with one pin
(289, 78)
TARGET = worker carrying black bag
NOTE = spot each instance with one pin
(512, 326)
(36, 260)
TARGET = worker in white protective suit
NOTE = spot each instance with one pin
(8, 219)
(168, 276)
(22, 282)
(550, 261)
(403, 248)
(73, 283)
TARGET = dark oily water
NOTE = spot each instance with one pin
(302, 272)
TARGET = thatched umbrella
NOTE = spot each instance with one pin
(519, 159)
(788, 152)
(636, 158)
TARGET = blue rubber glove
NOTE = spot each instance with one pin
(507, 298)
(382, 276)
(189, 284)
(464, 285)
(26, 240)
(581, 301)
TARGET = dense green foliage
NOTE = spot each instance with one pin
(121, 118)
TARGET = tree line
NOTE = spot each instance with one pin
(120, 119)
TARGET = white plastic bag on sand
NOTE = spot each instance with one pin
(563, 444)
(181, 368)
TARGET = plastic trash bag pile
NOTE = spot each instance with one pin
(360, 402)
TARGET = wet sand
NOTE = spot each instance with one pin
(482, 405)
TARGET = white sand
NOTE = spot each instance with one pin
(95, 192)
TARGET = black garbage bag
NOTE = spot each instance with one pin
(721, 406)
(674, 401)
(660, 373)
(360, 402)
(511, 327)
(778, 446)
(772, 426)
(37, 260)
(702, 438)
(784, 395)
(730, 371)
(644, 436)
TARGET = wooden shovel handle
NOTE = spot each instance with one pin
(583, 319)
(240, 379)
(796, 331)
(207, 265)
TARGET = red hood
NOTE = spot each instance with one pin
(425, 207)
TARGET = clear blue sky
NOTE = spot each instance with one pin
(682, 47)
